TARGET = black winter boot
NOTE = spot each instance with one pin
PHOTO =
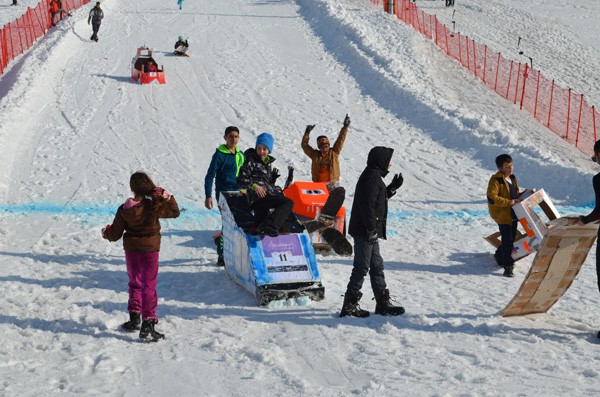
(134, 322)
(385, 307)
(351, 307)
(148, 330)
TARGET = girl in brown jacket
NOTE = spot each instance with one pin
(137, 220)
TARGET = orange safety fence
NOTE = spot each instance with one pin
(19, 35)
(560, 109)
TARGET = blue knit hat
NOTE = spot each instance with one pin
(265, 139)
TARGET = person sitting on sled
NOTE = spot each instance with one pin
(258, 178)
(181, 46)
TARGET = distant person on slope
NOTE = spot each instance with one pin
(181, 46)
(367, 225)
(137, 220)
(502, 193)
(325, 167)
(223, 169)
(96, 16)
(14, 3)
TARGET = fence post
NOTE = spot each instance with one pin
(568, 115)
(517, 83)
(497, 70)
(594, 121)
(524, 84)
(551, 99)
(468, 54)
(474, 56)
(537, 92)
(579, 121)
(509, 79)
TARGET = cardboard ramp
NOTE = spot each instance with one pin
(556, 264)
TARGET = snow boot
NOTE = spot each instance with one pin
(134, 322)
(221, 261)
(508, 271)
(322, 222)
(385, 306)
(148, 331)
(351, 307)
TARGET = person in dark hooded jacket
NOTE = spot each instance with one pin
(367, 226)
(258, 177)
(95, 17)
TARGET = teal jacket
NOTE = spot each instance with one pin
(224, 168)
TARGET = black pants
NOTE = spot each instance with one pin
(504, 252)
(334, 201)
(281, 205)
(95, 29)
(367, 260)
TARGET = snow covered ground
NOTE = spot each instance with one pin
(74, 126)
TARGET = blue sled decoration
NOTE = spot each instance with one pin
(271, 268)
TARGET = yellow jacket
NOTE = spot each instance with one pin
(498, 197)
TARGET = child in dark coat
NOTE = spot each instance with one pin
(258, 178)
(137, 220)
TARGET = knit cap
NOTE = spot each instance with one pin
(265, 139)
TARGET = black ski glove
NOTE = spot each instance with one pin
(309, 128)
(274, 175)
(347, 121)
(290, 177)
(397, 181)
(372, 237)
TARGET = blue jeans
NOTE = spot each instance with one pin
(366, 260)
(504, 252)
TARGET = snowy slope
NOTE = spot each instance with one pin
(74, 126)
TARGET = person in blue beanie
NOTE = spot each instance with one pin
(258, 177)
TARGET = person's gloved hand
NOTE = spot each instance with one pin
(274, 175)
(347, 121)
(159, 191)
(397, 181)
(104, 230)
(372, 237)
(309, 128)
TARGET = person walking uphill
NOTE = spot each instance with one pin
(137, 221)
(223, 169)
(367, 225)
(502, 193)
(258, 178)
(96, 16)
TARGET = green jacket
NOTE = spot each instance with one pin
(498, 197)
(317, 158)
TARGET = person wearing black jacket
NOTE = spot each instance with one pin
(367, 226)
(96, 16)
(594, 216)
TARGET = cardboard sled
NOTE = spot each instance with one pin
(534, 227)
(309, 198)
(270, 268)
(142, 66)
(557, 261)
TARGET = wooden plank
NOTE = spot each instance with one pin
(556, 264)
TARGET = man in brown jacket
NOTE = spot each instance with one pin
(325, 168)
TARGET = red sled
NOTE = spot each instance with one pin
(144, 68)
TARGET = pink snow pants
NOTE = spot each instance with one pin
(142, 269)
